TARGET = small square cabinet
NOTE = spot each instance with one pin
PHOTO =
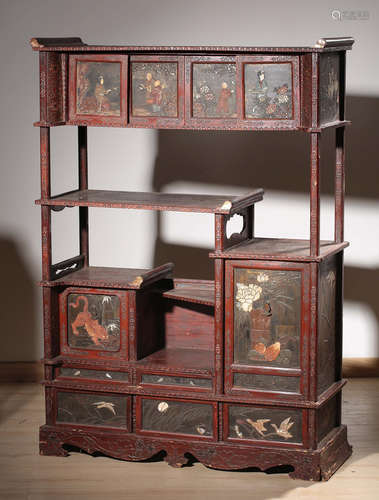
(266, 303)
(273, 332)
(109, 324)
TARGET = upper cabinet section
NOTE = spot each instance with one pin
(237, 88)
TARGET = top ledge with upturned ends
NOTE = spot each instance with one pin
(77, 45)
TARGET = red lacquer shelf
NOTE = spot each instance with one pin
(279, 249)
(196, 291)
(113, 277)
(220, 204)
(172, 359)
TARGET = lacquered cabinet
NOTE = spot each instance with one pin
(240, 371)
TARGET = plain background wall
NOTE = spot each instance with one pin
(181, 160)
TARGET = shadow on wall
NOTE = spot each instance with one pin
(18, 298)
(274, 161)
(19, 331)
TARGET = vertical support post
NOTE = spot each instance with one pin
(315, 195)
(219, 326)
(339, 198)
(45, 194)
(313, 330)
(220, 223)
(83, 184)
(251, 221)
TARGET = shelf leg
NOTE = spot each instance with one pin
(45, 210)
(315, 194)
(219, 326)
(83, 184)
(339, 200)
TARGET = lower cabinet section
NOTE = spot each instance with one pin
(188, 419)
(177, 417)
(253, 423)
(99, 409)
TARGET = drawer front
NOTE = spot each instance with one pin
(264, 424)
(182, 418)
(183, 382)
(270, 383)
(80, 373)
(100, 410)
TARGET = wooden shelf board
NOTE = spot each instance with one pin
(279, 249)
(180, 360)
(113, 277)
(197, 291)
(221, 204)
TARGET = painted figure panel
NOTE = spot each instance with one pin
(214, 90)
(98, 88)
(177, 417)
(91, 409)
(268, 91)
(267, 313)
(265, 424)
(93, 321)
(155, 89)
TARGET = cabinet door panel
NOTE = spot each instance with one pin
(157, 91)
(267, 317)
(98, 89)
(271, 91)
(93, 323)
(266, 328)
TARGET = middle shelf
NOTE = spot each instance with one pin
(200, 203)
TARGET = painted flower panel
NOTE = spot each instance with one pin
(267, 317)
